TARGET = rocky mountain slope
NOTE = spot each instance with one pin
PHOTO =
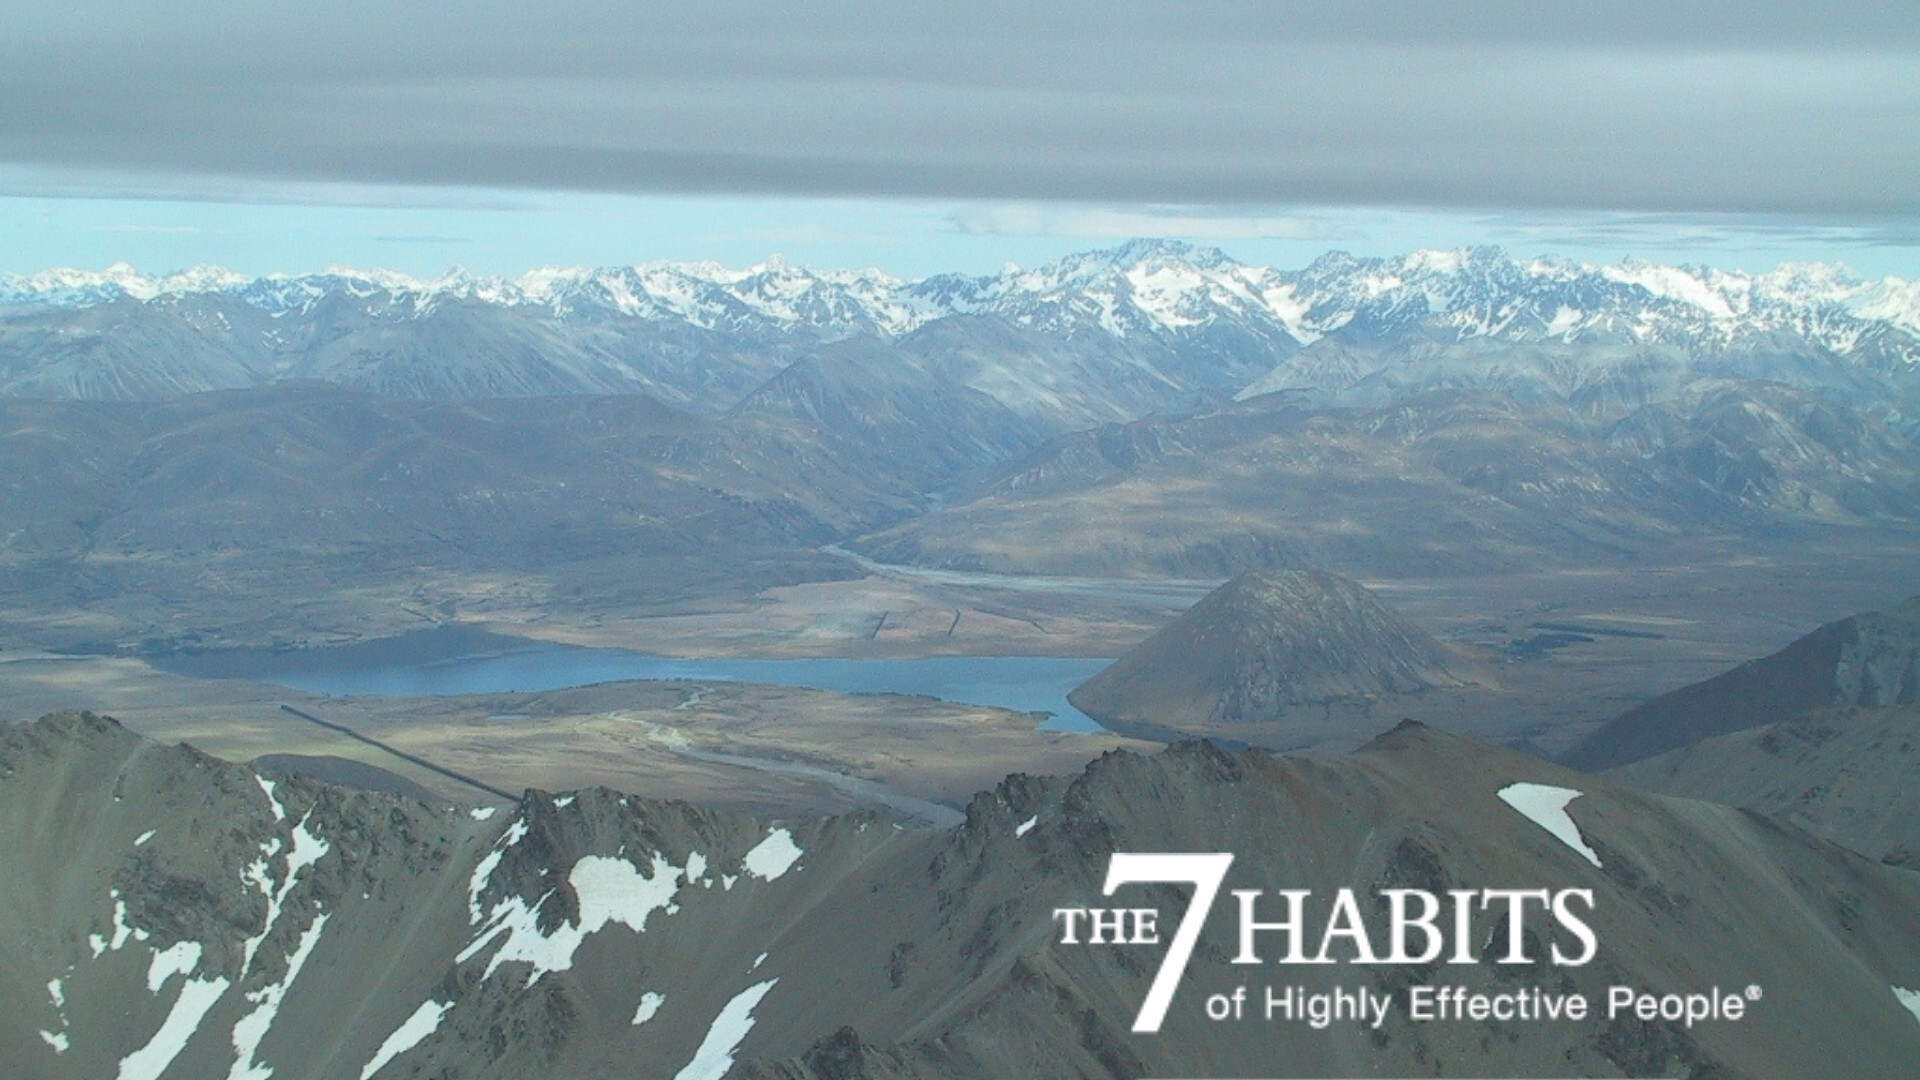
(221, 504)
(1845, 773)
(1866, 660)
(1264, 644)
(1450, 482)
(168, 915)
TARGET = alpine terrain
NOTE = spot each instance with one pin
(171, 915)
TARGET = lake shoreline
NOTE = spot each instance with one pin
(456, 659)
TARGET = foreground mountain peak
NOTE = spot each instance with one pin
(170, 914)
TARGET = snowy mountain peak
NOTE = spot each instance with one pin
(119, 281)
(1134, 252)
(1155, 288)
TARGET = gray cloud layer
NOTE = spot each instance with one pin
(1759, 106)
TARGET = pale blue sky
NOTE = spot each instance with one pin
(425, 231)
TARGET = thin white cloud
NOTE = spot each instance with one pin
(427, 238)
(1127, 222)
(1703, 233)
(141, 184)
(139, 229)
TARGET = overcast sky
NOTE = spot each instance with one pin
(1759, 124)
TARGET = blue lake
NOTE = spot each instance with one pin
(487, 664)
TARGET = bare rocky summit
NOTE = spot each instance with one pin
(1261, 645)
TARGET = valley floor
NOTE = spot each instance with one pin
(766, 749)
(1556, 652)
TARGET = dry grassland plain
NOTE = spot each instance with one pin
(767, 749)
(784, 749)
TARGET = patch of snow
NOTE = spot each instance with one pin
(1026, 826)
(608, 890)
(724, 1035)
(179, 960)
(727, 880)
(773, 856)
(196, 997)
(757, 961)
(1890, 300)
(1670, 283)
(424, 1021)
(121, 931)
(1375, 284)
(650, 1003)
(266, 785)
(1287, 306)
(144, 837)
(57, 1039)
(307, 850)
(484, 871)
(1432, 261)
(482, 813)
(1564, 321)
(253, 1027)
(1909, 998)
(614, 890)
(1546, 806)
(1162, 293)
(97, 943)
(696, 868)
(563, 802)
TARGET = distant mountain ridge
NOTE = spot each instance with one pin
(1165, 283)
(1186, 318)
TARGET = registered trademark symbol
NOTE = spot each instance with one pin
(1753, 992)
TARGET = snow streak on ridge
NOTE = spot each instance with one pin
(724, 1035)
(424, 1021)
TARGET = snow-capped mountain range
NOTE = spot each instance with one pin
(1144, 285)
(704, 336)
